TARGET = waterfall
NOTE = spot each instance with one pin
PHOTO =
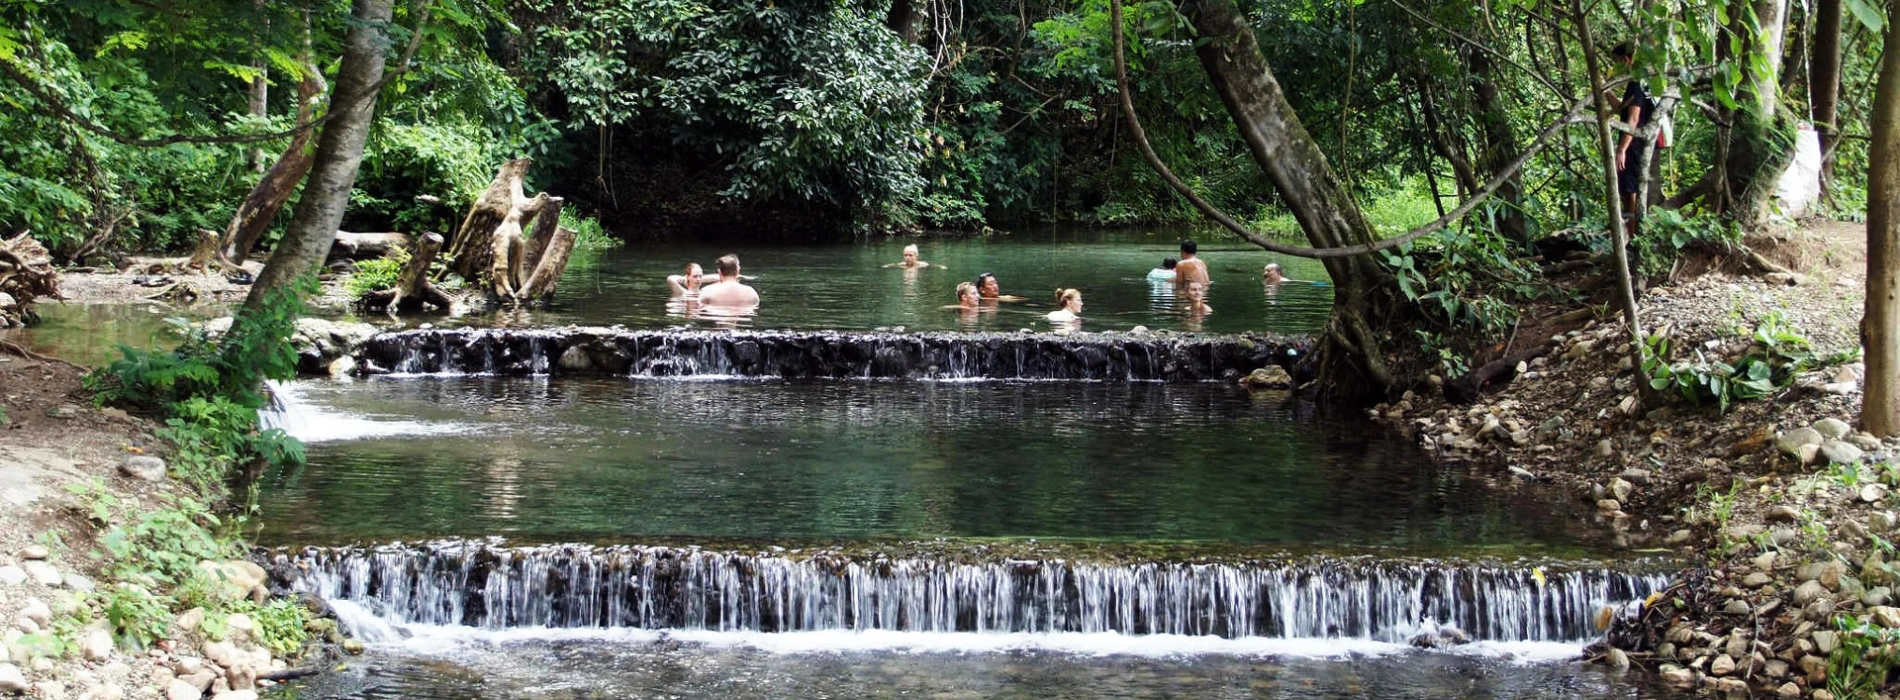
(482, 585)
(828, 354)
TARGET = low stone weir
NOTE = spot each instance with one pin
(481, 585)
(791, 354)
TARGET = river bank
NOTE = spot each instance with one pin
(1788, 507)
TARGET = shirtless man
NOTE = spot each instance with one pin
(1190, 269)
(910, 259)
(991, 291)
(728, 291)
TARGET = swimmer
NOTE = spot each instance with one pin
(986, 285)
(1165, 273)
(1190, 269)
(1197, 299)
(1071, 302)
(968, 298)
(728, 292)
(910, 259)
(1272, 276)
(687, 285)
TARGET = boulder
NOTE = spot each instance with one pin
(182, 690)
(240, 578)
(143, 468)
(1790, 442)
(42, 573)
(1841, 452)
(96, 646)
(1832, 428)
(1269, 377)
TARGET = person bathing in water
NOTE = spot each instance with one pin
(991, 291)
(1190, 269)
(968, 299)
(1197, 299)
(1165, 273)
(1071, 302)
(729, 292)
(687, 285)
(910, 261)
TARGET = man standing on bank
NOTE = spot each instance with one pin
(1632, 153)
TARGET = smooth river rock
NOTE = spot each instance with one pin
(143, 467)
(1841, 452)
(1790, 442)
(1832, 428)
(42, 572)
(12, 680)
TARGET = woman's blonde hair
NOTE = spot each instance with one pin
(1063, 296)
(963, 287)
(912, 248)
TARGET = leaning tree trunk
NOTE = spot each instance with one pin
(1500, 146)
(254, 215)
(313, 226)
(1880, 326)
(1824, 82)
(1351, 360)
(489, 249)
(412, 289)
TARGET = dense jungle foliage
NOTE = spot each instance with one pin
(126, 120)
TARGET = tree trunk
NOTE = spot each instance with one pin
(412, 289)
(1761, 144)
(364, 246)
(545, 225)
(907, 19)
(1500, 147)
(1351, 359)
(549, 266)
(1619, 237)
(339, 152)
(1880, 325)
(1447, 140)
(255, 213)
(488, 250)
(1824, 81)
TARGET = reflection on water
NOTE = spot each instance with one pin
(616, 459)
(90, 334)
(457, 663)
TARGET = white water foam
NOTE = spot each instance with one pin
(446, 639)
(363, 625)
(311, 423)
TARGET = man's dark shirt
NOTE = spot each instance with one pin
(1635, 94)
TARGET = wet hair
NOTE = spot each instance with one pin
(694, 270)
(964, 287)
(1064, 295)
(910, 249)
(728, 265)
(1169, 263)
(984, 276)
(1623, 50)
(1188, 247)
(1273, 266)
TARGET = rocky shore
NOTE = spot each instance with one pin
(1781, 511)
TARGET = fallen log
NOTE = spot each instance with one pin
(413, 289)
(1495, 373)
(547, 271)
(363, 246)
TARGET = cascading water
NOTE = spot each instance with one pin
(480, 585)
(788, 354)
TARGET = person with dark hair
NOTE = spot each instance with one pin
(1190, 269)
(1632, 154)
(1165, 273)
(728, 291)
(988, 288)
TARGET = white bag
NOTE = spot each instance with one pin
(1666, 136)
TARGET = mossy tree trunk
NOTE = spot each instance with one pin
(1880, 326)
(1351, 358)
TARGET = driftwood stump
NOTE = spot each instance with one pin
(492, 249)
(412, 289)
(366, 246)
(26, 274)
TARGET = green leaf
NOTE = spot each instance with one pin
(1868, 14)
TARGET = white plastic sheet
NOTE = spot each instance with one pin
(1800, 184)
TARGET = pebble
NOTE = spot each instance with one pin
(36, 610)
(79, 582)
(1826, 641)
(1723, 665)
(1841, 452)
(143, 467)
(1832, 428)
(1756, 580)
(34, 552)
(11, 575)
(1809, 592)
(1880, 595)
(12, 680)
(42, 572)
(1783, 514)
(181, 690)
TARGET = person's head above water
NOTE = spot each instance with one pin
(1188, 248)
(1196, 292)
(986, 283)
(910, 253)
(1169, 263)
(1070, 299)
(966, 293)
(728, 266)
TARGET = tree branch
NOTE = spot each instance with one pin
(1147, 151)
